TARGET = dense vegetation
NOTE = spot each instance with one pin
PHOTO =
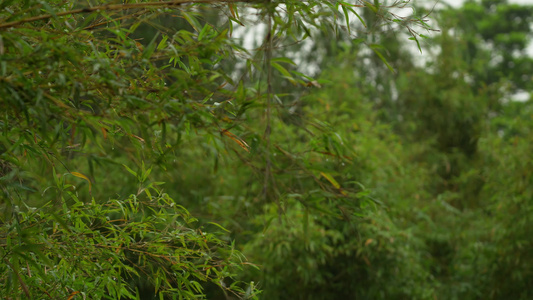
(265, 150)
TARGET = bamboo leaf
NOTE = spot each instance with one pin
(191, 19)
(358, 16)
(219, 226)
(413, 38)
(383, 59)
(72, 295)
(232, 9)
(130, 170)
(346, 17)
(283, 59)
(283, 71)
(236, 139)
(371, 6)
(79, 175)
(331, 180)
(203, 32)
(163, 43)
(149, 50)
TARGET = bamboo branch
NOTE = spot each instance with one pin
(114, 7)
(268, 129)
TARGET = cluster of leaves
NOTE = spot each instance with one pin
(79, 92)
(101, 250)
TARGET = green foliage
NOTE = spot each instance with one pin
(327, 257)
(507, 189)
(93, 91)
(364, 242)
(359, 183)
(101, 250)
(494, 36)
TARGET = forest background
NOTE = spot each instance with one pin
(153, 150)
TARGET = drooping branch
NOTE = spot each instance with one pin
(114, 7)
